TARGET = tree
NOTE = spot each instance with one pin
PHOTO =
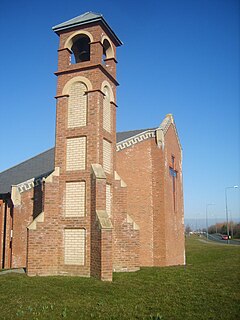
(188, 229)
(234, 229)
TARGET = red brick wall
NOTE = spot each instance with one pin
(101, 238)
(125, 235)
(106, 255)
(45, 244)
(134, 165)
(159, 211)
(6, 212)
(47, 239)
(145, 169)
(23, 216)
(175, 242)
(1, 230)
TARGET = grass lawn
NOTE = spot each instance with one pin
(208, 288)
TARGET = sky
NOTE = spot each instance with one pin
(179, 57)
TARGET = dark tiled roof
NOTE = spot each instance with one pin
(83, 18)
(128, 134)
(86, 18)
(41, 165)
(37, 166)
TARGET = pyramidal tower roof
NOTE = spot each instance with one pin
(86, 18)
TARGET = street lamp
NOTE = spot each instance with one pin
(233, 187)
(208, 205)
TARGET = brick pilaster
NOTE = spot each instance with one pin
(101, 227)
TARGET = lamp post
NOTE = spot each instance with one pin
(231, 223)
(208, 205)
(233, 187)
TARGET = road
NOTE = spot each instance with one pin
(217, 237)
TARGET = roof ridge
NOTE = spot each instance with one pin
(86, 13)
(83, 19)
(137, 130)
(39, 154)
(100, 14)
(73, 20)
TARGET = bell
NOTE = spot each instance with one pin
(83, 56)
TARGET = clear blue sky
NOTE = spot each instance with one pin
(179, 57)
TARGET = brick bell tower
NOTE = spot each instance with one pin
(76, 225)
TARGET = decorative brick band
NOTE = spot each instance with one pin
(94, 42)
(109, 59)
(63, 49)
(96, 90)
(136, 139)
(114, 104)
(31, 183)
(62, 96)
(148, 134)
(87, 67)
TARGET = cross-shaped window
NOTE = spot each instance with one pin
(173, 174)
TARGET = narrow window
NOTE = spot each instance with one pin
(173, 174)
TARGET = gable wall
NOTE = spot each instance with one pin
(145, 168)
(159, 216)
(175, 243)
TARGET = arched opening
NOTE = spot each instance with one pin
(80, 48)
(107, 50)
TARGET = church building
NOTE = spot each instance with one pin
(99, 201)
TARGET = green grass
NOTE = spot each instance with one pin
(208, 288)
